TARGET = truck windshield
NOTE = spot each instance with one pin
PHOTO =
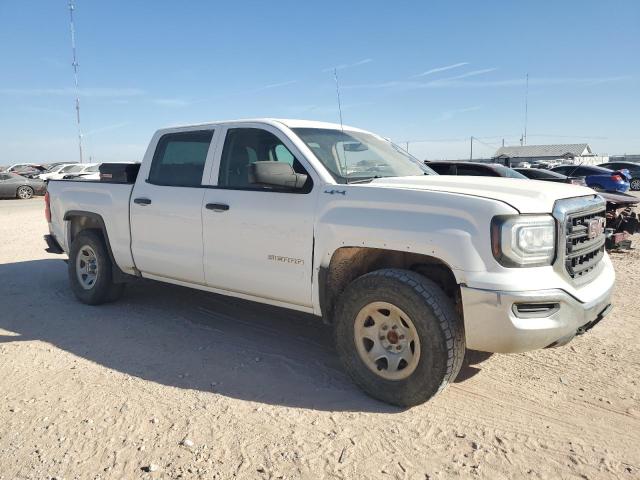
(352, 156)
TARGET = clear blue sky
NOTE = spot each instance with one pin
(437, 71)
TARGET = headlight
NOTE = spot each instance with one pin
(523, 240)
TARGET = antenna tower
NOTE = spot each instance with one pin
(72, 7)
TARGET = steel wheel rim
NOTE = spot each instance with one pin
(24, 193)
(635, 184)
(387, 341)
(87, 267)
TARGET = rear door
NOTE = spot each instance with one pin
(259, 240)
(166, 204)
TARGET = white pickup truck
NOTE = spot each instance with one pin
(409, 267)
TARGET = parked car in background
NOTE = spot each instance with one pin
(549, 176)
(93, 172)
(67, 169)
(632, 167)
(82, 169)
(474, 169)
(19, 166)
(30, 171)
(545, 164)
(51, 166)
(54, 170)
(599, 178)
(13, 185)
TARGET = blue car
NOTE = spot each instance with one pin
(598, 178)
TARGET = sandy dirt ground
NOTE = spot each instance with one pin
(175, 383)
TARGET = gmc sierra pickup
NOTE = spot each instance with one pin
(409, 267)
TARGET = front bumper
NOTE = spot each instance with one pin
(509, 322)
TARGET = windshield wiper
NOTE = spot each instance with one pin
(361, 180)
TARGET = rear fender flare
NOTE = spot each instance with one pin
(118, 275)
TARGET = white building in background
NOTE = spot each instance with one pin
(564, 153)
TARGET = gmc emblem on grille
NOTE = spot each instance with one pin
(596, 227)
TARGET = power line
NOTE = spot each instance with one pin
(549, 135)
(75, 74)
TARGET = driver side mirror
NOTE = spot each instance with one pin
(276, 174)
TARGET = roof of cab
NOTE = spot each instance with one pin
(290, 123)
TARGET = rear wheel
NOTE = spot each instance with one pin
(597, 187)
(25, 192)
(398, 336)
(635, 184)
(90, 270)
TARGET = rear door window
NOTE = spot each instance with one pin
(179, 159)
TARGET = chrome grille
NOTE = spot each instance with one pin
(582, 233)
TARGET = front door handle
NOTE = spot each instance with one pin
(142, 201)
(217, 207)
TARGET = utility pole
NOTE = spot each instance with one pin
(75, 74)
(526, 109)
(407, 149)
(471, 152)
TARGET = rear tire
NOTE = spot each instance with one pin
(376, 314)
(90, 270)
(597, 187)
(24, 192)
(635, 184)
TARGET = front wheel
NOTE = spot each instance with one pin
(90, 270)
(398, 336)
(25, 192)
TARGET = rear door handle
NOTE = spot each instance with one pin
(142, 201)
(217, 207)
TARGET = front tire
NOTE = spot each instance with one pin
(90, 270)
(24, 192)
(398, 336)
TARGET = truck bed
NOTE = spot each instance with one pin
(106, 202)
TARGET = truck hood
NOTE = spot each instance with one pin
(526, 196)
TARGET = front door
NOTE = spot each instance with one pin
(166, 221)
(258, 240)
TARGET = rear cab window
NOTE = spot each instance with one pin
(180, 158)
